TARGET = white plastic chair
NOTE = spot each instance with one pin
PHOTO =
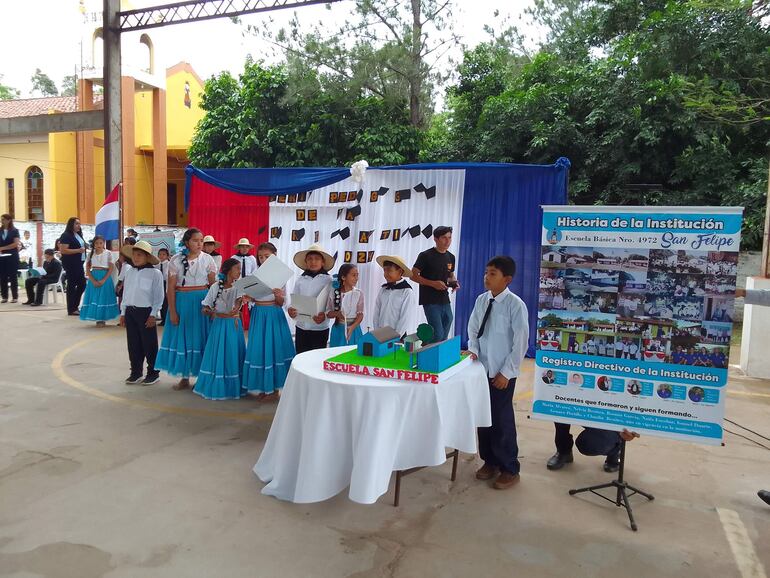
(55, 288)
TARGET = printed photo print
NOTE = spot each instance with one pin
(576, 332)
(723, 264)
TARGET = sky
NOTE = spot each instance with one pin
(46, 34)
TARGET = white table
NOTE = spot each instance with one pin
(334, 430)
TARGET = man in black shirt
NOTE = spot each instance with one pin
(52, 268)
(434, 271)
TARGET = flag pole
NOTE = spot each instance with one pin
(120, 216)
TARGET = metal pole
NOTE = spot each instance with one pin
(113, 149)
(765, 268)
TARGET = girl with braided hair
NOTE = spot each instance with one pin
(190, 274)
(346, 307)
(220, 371)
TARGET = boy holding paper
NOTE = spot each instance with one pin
(312, 332)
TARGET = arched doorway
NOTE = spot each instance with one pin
(34, 193)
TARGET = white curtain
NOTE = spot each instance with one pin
(429, 198)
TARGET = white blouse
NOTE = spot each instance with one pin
(197, 271)
(104, 260)
(352, 303)
(226, 301)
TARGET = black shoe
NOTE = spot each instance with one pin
(35, 304)
(151, 378)
(76, 312)
(558, 461)
(611, 466)
(3, 300)
(28, 303)
(132, 379)
(764, 495)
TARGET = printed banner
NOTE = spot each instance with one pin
(160, 240)
(635, 317)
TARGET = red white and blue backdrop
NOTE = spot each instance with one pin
(493, 208)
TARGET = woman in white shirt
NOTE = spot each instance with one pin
(99, 301)
(189, 276)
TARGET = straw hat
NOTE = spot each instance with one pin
(299, 258)
(243, 242)
(397, 260)
(210, 239)
(127, 251)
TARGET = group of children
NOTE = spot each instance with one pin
(204, 333)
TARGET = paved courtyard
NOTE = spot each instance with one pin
(101, 479)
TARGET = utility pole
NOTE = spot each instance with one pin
(113, 128)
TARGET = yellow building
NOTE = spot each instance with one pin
(55, 176)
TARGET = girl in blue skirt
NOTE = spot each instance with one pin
(220, 372)
(346, 307)
(99, 302)
(270, 349)
(190, 274)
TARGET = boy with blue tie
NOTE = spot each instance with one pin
(498, 332)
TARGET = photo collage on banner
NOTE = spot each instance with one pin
(635, 318)
(392, 212)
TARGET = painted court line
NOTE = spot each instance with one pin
(745, 556)
(57, 366)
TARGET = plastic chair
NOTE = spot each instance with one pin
(55, 288)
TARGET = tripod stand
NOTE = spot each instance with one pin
(623, 489)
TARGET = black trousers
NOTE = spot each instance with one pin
(76, 284)
(498, 445)
(9, 266)
(35, 287)
(308, 340)
(563, 438)
(142, 341)
(599, 442)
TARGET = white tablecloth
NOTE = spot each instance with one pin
(334, 430)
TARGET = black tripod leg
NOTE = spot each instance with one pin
(622, 492)
(640, 492)
(592, 488)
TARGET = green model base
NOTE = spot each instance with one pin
(399, 360)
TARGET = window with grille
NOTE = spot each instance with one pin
(11, 198)
(35, 194)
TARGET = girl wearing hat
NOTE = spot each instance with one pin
(312, 333)
(220, 373)
(346, 307)
(248, 266)
(99, 301)
(270, 349)
(210, 246)
(189, 276)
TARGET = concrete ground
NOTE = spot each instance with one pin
(101, 479)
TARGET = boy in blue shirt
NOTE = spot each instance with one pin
(498, 331)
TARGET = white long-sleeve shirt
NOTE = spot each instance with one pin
(248, 264)
(312, 286)
(396, 307)
(757, 297)
(143, 288)
(503, 345)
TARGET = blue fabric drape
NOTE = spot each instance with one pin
(502, 216)
(284, 181)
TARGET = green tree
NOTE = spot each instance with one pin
(69, 85)
(619, 87)
(43, 84)
(7, 92)
(389, 49)
(291, 115)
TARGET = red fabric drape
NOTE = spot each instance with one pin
(228, 216)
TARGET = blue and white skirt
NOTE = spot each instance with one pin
(270, 350)
(337, 335)
(181, 350)
(99, 303)
(220, 373)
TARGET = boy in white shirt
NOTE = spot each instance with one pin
(140, 311)
(396, 304)
(248, 262)
(498, 333)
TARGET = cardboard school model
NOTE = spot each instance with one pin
(382, 353)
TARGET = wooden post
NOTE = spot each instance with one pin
(765, 268)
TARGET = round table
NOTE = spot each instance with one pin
(334, 430)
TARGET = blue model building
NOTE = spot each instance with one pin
(437, 357)
(378, 343)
